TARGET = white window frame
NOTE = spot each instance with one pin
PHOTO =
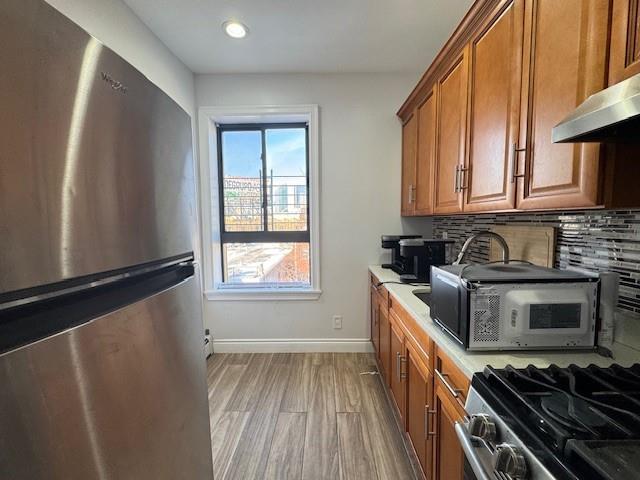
(208, 118)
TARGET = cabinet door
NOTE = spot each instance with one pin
(409, 150)
(495, 69)
(385, 342)
(419, 404)
(397, 375)
(448, 455)
(451, 115)
(565, 62)
(624, 53)
(375, 324)
(425, 156)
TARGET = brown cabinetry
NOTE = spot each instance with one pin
(451, 112)
(412, 368)
(564, 63)
(448, 455)
(375, 316)
(625, 40)
(511, 71)
(398, 357)
(420, 410)
(425, 156)
(409, 150)
(418, 153)
(495, 59)
(384, 357)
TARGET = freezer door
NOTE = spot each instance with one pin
(121, 397)
(96, 168)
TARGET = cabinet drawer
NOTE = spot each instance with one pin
(383, 293)
(453, 381)
(414, 334)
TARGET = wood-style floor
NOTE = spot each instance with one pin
(312, 416)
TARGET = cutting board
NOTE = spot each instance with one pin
(535, 244)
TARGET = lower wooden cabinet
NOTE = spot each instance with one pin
(385, 345)
(448, 456)
(397, 380)
(375, 319)
(425, 386)
(420, 410)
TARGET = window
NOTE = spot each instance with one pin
(264, 229)
(259, 174)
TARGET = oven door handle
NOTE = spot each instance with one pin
(468, 448)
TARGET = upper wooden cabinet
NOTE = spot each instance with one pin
(511, 71)
(418, 152)
(564, 63)
(625, 40)
(451, 118)
(425, 156)
(409, 150)
(494, 109)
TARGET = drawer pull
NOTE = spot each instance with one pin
(443, 377)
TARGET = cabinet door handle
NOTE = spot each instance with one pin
(411, 194)
(399, 360)
(514, 162)
(463, 179)
(455, 179)
(443, 378)
(427, 433)
(403, 372)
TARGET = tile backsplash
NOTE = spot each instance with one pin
(599, 240)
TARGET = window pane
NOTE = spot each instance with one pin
(242, 187)
(287, 179)
(266, 263)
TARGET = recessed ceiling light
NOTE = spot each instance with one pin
(235, 29)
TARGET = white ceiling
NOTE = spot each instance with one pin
(319, 36)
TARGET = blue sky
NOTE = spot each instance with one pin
(285, 152)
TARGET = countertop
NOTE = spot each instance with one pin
(472, 362)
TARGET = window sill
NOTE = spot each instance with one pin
(257, 294)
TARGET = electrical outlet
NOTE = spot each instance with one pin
(337, 322)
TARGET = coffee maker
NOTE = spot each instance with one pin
(398, 263)
(420, 254)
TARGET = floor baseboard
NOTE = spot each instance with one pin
(302, 345)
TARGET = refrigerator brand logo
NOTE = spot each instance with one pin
(117, 86)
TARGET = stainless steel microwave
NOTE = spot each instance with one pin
(515, 306)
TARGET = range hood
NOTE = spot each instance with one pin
(612, 115)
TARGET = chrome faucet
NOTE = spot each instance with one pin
(484, 233)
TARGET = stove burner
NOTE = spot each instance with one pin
(572, 412)
(587, 420)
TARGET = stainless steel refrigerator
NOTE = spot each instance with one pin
(102, 373)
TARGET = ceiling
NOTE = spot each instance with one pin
(319, 36)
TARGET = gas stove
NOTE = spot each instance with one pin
(553, 423)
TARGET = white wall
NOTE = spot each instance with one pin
(114, 24)
(360, 141)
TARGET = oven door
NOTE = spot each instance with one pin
(468, 473)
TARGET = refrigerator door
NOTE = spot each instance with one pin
(96, 168)
(121, 397)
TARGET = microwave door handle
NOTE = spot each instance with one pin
(469, 452)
